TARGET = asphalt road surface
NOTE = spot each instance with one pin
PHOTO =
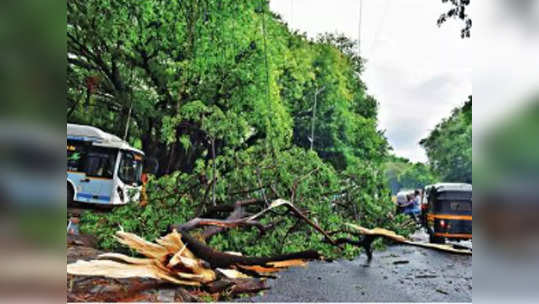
(399, 274)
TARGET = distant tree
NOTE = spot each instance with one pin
(416, 176)
(401, 173)
(458, 11)
(394, 167)
(449, 145)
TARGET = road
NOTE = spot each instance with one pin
(398, 274)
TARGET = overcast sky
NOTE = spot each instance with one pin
(417, 71)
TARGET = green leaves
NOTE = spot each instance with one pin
(206, 69)
(185, 141)
(449, 146)
(168, 129)
(231, 77)
(329, 197)
(403, 174)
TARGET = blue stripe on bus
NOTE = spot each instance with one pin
(90, 196)
(83, 138)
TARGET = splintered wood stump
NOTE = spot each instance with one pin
(179, 259)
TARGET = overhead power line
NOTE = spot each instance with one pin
(380, 25)
(291, 14)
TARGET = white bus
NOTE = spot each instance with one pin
(101, 168)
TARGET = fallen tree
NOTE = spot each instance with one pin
(184, 259)
(232, 222)
(364, 241)
(220, 259)
(240, 217)
(181, 259)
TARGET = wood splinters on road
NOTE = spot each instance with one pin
(142, 246)
(380, 232)
(173, 258)
(260, 269)
(233, 274)
(118, 270)
(289, 263)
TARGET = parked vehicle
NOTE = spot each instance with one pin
(101, 168)
(449, 212)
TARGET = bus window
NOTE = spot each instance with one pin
(74, 160)
(130, 171)
(76, 152)
(100, 164)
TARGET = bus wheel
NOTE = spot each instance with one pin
(435, 239)
(70, 194)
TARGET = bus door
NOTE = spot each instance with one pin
(97, 183)
(130, 173)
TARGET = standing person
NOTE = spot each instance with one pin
(417, 194)
(412, 208)
(420, 194)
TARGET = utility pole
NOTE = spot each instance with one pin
(214, 179)
(311, 139)
(128, 120)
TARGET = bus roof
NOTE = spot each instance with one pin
(453, 187)
(98, 137)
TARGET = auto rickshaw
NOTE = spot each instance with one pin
(448, 212)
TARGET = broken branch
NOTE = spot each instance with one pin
(224, 260)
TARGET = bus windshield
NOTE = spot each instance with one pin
(94, 161)
(130, 171)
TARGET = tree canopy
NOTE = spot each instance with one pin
(458, 11)
(221, 93)
(189, 77)
(401, 173)
(449, 145)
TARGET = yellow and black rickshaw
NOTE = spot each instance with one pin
(448, 212)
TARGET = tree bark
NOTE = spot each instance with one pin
(219, 259)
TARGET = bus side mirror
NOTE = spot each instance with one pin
(151, 165)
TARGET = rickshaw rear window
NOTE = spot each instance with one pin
(453, 206)
(460, 206)
(454, 195)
